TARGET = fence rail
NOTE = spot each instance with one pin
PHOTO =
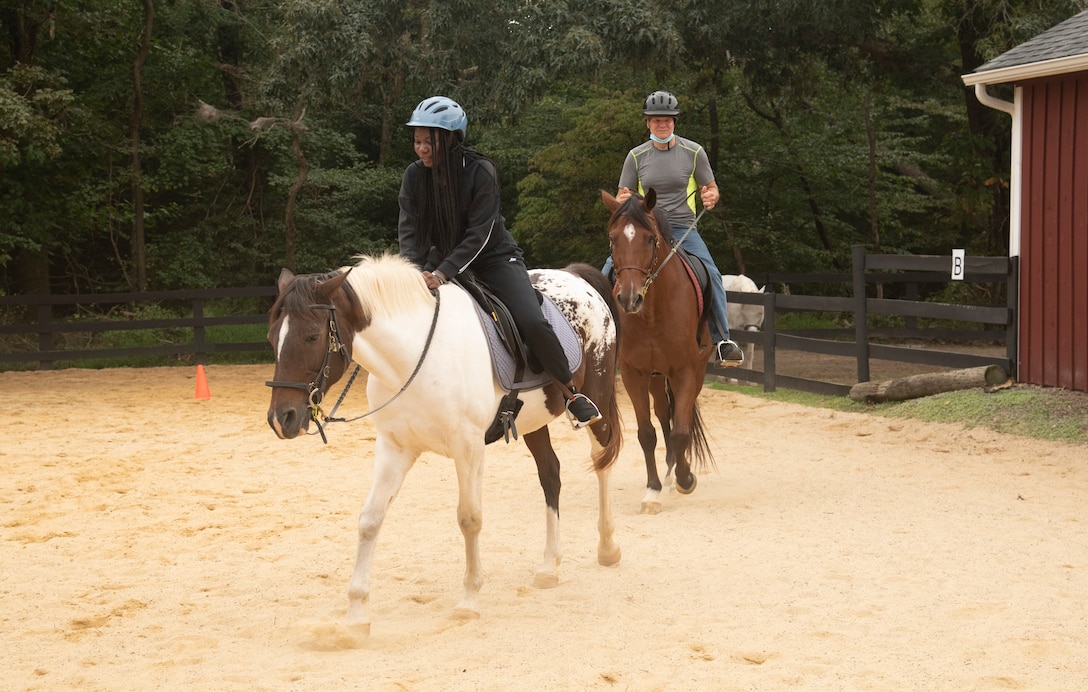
(45, 325)
(856, 343)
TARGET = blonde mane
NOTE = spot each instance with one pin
(388, 285)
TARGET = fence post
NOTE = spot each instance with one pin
(45, 336)
(861, 314)
(769, 379)
(199, 346)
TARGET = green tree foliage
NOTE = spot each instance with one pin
(274, 129)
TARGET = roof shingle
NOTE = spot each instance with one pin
(1068, 39)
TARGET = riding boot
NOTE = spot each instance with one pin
(582, 410)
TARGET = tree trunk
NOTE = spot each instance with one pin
(138, 240)
(291, 235)
(929, 383)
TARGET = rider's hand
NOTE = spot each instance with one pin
(434, 280)
(710, 197)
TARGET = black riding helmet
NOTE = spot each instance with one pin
(661, 103)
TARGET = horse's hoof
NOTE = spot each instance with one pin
(651, 508)
(465, 614)
(607, 558)
(334, 636)
(545, 580)
(687, 491)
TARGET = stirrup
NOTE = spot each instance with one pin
(587, 411)
(729, 354)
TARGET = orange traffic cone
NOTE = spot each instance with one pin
(202, 391)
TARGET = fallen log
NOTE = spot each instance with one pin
(928, 383)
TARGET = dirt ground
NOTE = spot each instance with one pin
(150, 540)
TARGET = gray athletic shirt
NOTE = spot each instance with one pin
(673, 173)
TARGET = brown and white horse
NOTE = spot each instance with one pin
(434, 388)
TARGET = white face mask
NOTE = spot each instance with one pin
(662, 141)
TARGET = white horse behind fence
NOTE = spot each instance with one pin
(741, 316)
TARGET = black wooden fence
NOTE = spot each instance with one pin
(856, 343)
(868, 271)
(45, 326)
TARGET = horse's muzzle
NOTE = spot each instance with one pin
(289, 423)
(630, 301)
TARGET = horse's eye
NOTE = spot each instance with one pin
(312, 338)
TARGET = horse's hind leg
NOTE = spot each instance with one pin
(608, 552)
(547, 470)
(678, 444)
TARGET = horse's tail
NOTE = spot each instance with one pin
(703, 458)
(610, 409)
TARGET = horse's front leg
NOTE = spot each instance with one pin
(637, 386)
(547, 470)
(391, 465)
(661, 396)
(470, 474)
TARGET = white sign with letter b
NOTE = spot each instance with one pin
(958, 261)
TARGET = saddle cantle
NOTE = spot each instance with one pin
(515, 368)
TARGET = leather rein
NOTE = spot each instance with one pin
(315, 390)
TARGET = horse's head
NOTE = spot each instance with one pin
(310, 327)
(638, 246)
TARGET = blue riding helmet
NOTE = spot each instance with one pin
(440, 112)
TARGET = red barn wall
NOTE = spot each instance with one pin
(1053, 324)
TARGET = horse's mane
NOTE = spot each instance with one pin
(388, 285)
(633, 209)
(301, 298)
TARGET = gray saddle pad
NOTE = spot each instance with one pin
(503, 362)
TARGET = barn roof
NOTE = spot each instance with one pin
(1059, 50)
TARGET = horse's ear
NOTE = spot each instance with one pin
(285, 279)
(609, 201)
(650, 199)
(327, 287)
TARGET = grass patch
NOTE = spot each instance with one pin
(1042, 413)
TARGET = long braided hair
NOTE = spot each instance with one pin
(438, 195)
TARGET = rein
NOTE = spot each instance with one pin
(314, 389)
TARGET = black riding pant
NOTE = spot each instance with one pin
(508, 279)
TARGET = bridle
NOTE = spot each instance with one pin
(649, 271)
(315, 390)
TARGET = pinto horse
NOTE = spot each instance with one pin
(666, 341)
(434, 388)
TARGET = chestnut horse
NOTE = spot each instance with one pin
(433, 388)
(666, 341)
